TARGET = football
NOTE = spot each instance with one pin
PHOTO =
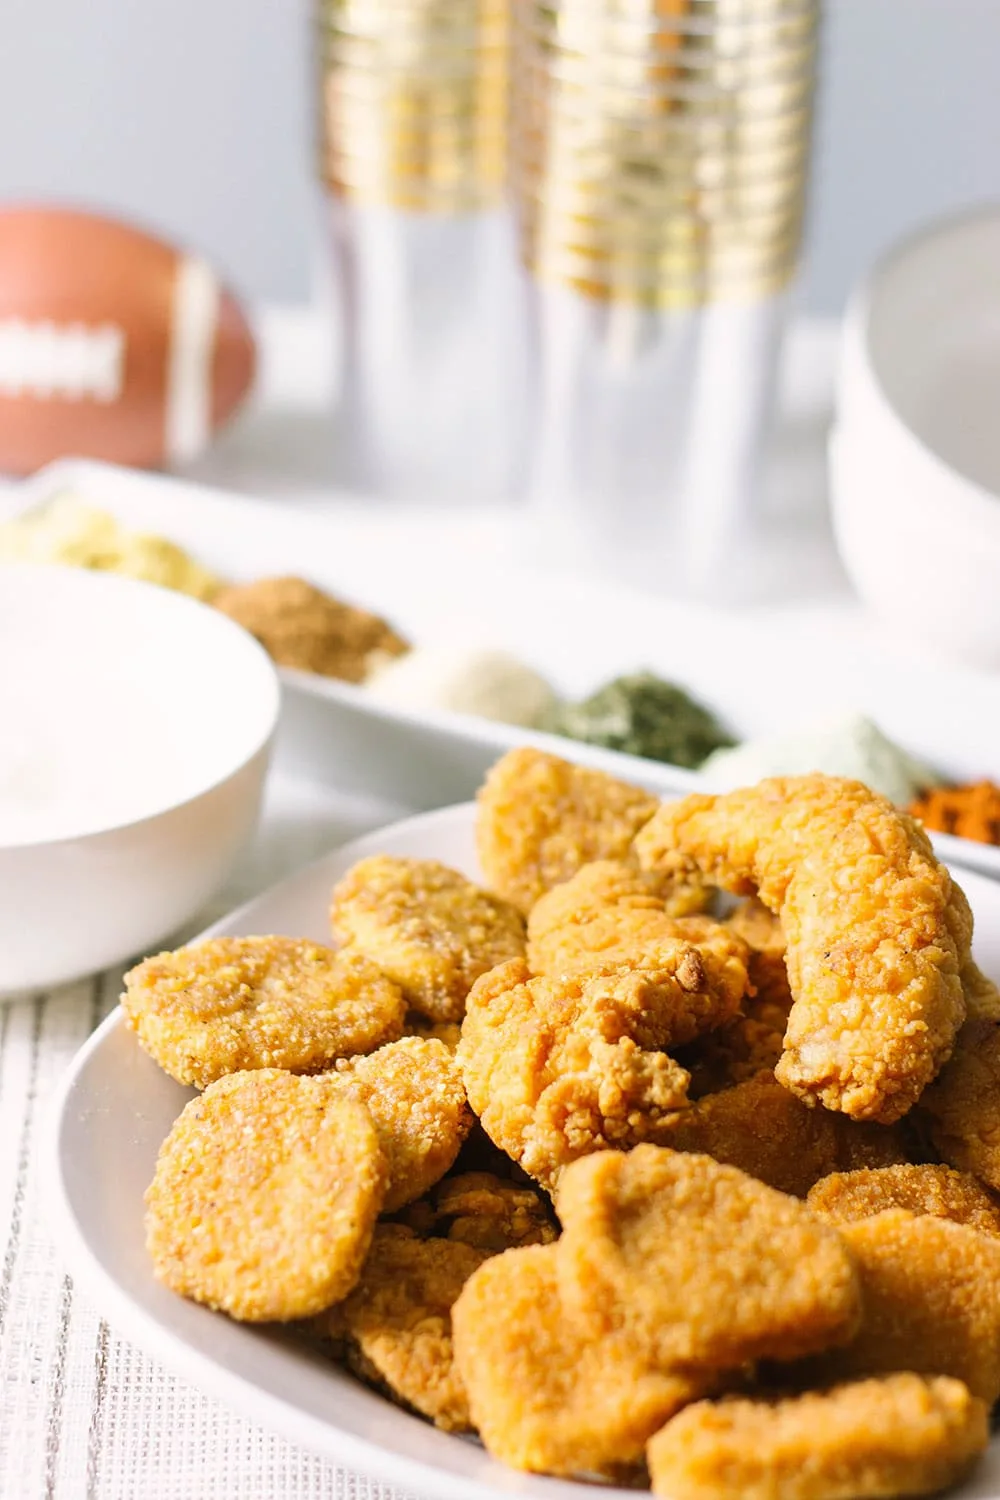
(113, 344)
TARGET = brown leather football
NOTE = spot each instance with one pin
(113, 344)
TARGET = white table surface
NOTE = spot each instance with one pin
(83, 1415)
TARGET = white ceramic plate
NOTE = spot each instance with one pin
(114, 1109)
(469, 577)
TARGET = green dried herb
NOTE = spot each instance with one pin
(643, 715)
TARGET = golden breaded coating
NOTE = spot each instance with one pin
(265, 1196)
(767, 1132)
(869, 1440)
(962, 1107)
(489, 1212)
(543, 1397)
(609, 914)
(428, 928)
(416, 1096)
(877, 932)
(397, 1322)
(759, 928)
(449, 1032)
(540, 819)
(698, 1264)
(556, 1069)
(749, 1043)
(845, 1197)
(230, 1004)
(931, 1295)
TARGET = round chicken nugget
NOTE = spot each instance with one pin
(230, 1004)
(398, 1322)
(698, 1264)
(265, 1196)
(559, 1068)
(540, 819)
(870, 1440)
(931, 1295)
(480, 1209)
(845, 1197)
(543, 1397)
(416, 1096)
(877, 931)
(769, 1133)
(431, 930)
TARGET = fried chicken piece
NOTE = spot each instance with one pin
(540, 819)
(697, 1264)
(414, 1091)
(845, 1197)
(300, 626)
(543, 1397)
(931, 1295)
(610, 914)
(265, 1196)
(397, 1322)
(961, 1109)
(877, 931)
(477, 1208)
(747, 1044)
(230, 1004)
(762, 1129)
(556, 1069)
(428, 928)
(868, 1440)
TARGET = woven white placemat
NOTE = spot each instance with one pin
(83, 1414)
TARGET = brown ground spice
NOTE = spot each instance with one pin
(971, 812)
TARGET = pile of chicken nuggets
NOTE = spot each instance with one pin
(632, 1182)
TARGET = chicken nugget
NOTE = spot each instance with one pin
(877, 931)
(480, 1209)
(559, 1068)
(962, 1106)
(230, 1004)
(845, 1197)
(543, 1397)
(762, 1129)
(397, 1322)
(931, 1295)
(868, 1440)
(416, 1096)
(428, 928)
(698, 1264)
(265, 1196)
(609, 914)
(448, 1032)
(540, 819)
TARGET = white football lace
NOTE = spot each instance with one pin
(54, 362)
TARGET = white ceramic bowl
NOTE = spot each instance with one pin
(915, 456)
(167, 711)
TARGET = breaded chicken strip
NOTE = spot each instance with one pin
(845, 1197)
(697, 1265)
(557, 1068)
(265, 1196)
(541, 818)
(870, 1440)
(962, 1107)
(414, 1091)
(479, 1209)
(767, 1132)
(425, 926)
(397, 1322)
(543, 1397)
(877, 931)
(931, 1296)
(610, 913)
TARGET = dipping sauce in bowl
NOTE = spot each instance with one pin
(135, 726)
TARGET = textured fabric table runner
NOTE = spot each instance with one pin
(83, 1414)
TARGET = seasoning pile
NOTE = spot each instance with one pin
(634, 1191)
(308, 630)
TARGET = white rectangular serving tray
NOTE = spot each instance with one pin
(470, 577)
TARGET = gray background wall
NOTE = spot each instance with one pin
(194, 116)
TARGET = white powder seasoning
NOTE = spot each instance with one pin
(490, 684)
